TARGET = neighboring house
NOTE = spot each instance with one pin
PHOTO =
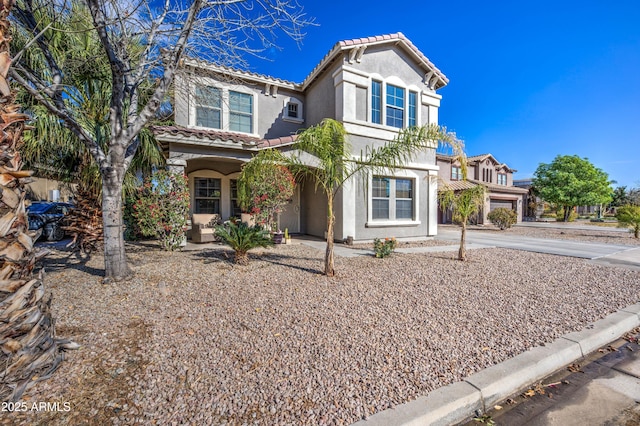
(482, 170)
(43, 189)
(373, 85)
(533, 206)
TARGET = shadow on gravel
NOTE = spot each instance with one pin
(279, 259)
(225, 255)
(56, 262)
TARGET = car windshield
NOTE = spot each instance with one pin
(39, 207)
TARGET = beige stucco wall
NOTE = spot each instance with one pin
(40, 190)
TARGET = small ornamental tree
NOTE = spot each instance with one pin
(503, 218)
(570, 181)
(629, 217)
(162, 208)
(265, 186)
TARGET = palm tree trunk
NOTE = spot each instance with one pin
(462, 252)
(116, 267)
(30, 352)
(328, 257)
(241, 257)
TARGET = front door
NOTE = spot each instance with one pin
(290, 216)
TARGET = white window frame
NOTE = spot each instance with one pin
(225, 189)
(241, 113)
(225, 110)
(209, 107)
(285, 114)
(392, 221)
(459, 174)
(394, 81)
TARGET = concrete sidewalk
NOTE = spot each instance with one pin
(603, 389)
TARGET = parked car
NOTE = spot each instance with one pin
(48, 217)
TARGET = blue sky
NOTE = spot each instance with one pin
(528, 81)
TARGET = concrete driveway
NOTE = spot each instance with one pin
(611, 254)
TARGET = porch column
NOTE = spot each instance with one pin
(176, 165)
(349, 208)
(432, 203)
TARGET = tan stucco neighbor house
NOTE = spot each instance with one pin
(482, 170)
(374, 86)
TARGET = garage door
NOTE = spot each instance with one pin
(506, 204)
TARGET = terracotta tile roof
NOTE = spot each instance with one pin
(500, 188)
(475, 159)
(219, 135)
(211, 134)
(480, 157)
(241, 73)
(455, 185)
(270, 143)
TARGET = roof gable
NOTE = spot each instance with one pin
(433, 77)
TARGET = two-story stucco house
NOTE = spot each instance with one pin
(373, 85)
(482, 170)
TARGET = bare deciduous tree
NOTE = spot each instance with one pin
(221, 31)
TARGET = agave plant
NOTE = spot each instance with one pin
(242, 238)
(29, 351)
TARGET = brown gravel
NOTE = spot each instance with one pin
(193, 339)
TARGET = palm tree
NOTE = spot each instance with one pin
(464, 203)
(30, 352)
(333, 164)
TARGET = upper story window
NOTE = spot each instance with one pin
(376, 102)
(293, 110)
(395, 106)
(487, 175)
(456, 173)
(502, 179)
(240, 112)
(219, 108)
(413, 102)
(208, 107)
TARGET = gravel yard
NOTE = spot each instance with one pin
(193, 339)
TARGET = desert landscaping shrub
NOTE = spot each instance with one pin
(242, 238)
(384, 248)
(503, 218)
(162, 207)
(629, 217)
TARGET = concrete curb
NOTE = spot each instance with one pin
(459, 401)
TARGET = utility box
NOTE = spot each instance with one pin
(54, 195)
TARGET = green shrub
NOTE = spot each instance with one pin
(384, 248)
(242, 238)
(629, 217)
(161, 208)
(503, 218)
